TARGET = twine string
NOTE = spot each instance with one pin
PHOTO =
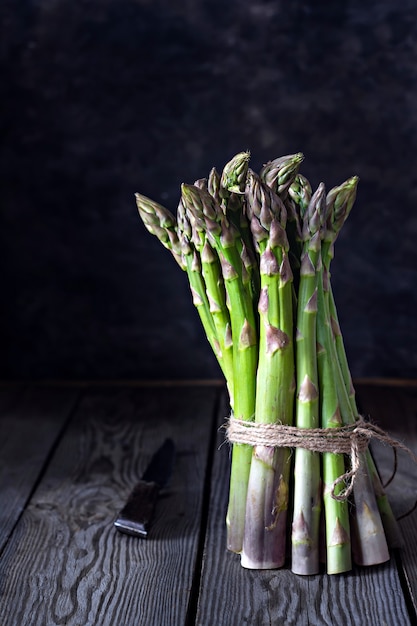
(352, 440)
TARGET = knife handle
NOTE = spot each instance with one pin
(136, 515)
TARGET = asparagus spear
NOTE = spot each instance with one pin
(233, 178)
(220, 188)
(370, 545)
(230, 191)
(213, 185)
(267, 501)
(162, 223)
(336, 196)
(224, 238)
(300, 192)
(299, 196)
(307, 483)
(281, 175)
(338, 541)
(230, 188)
(213, 279)
(391, 529)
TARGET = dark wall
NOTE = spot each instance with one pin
(102, 98)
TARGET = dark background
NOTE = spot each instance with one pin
(102, 98)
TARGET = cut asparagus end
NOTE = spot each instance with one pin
(266, 512)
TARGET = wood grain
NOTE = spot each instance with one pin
(30, 424)
(395, 410)
(230, 595)
(66, 563)
(65, 474)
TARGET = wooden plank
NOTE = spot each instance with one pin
(66, 563)
(231, 595)
(30, 424)
(395, 410)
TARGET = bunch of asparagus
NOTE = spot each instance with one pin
(257, 250)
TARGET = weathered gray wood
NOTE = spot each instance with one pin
(230, 595)
(30, 423)
(66, 563)
(394, 408)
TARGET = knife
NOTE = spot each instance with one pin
(136, 515)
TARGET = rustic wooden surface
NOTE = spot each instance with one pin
(69, 456)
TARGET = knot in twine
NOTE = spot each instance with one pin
(352, 440)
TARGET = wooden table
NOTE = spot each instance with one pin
(69, 456)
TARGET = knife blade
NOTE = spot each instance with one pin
(135, 517)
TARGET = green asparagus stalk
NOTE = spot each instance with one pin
(307, 483)
(215, 290)
(299, 196)
(176, 237)
(338, 539)
(213, 185)
(300, 192)
(390, 524)
(224, 238)
(161, 223)
(232, 203)
(281, 175)
(370, 544)
(230, 188)
(268, 488)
